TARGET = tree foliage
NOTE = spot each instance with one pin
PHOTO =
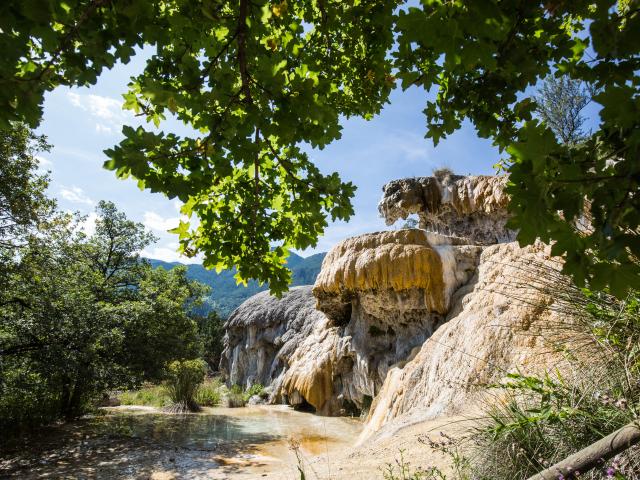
(23, 203)
(560, 102)
(255, 81)
(81, 315)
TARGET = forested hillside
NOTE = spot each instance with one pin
(226, 295)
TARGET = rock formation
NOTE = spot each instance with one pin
(389, 291)
(473, 207)
(496, 325)
(263, 338)
(410, 319)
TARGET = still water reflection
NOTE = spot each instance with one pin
(143, 443)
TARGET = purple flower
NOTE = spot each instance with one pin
(611, 472)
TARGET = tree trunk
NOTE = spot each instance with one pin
(594, 455)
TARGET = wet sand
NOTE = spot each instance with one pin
(217, 443)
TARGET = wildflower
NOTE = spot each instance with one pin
(611, 472)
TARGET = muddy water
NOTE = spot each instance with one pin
(142, 443)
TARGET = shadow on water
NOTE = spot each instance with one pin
(135, 445)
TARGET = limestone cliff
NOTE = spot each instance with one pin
(291, 347)
(471, 207)
(389, 291)
(410, 319)
(262, 327)
(379, 296)
(495, 326)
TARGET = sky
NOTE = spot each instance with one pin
(81, 123)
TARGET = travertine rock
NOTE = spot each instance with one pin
(493, 327)
(389, 291)
(472, 207)
(383, 295)
(263, 331)
(291, 347)
(412, 319)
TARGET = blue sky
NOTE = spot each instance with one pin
(81, 123)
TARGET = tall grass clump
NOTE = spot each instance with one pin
(148, 395)
(533, 422)
(209, 394)
(184, 377)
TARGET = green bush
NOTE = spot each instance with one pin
(540, 420)
(233, 397)
(184, 377)
(209, 394)
(255, 389)
(149, 395)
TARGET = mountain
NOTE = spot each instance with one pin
(226, 295)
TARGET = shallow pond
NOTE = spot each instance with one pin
(142, 443)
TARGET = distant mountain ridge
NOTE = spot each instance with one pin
(226, 295)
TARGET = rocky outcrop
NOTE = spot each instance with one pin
(389, 291)
(291, 347)
(378, 297)
(262, 328)
(412, 320)
(472, 207)
(496, 325)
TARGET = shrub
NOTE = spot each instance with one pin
(149, 395)
(442, 172)
(540, 420)
(209, 393)
(255, 389)
(183, 380)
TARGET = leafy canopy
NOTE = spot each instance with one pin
(81, 315)
(256, 80)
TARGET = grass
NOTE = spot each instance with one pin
(209, 394)
(534, 422)
(148, 395)
(212, 392)
(255, 389)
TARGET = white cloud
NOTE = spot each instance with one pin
(43, 163)
(168, 253)
(153, 221)
(75, 195)
(106, 110)
(88, 225)
(410, 145)
(100, 128)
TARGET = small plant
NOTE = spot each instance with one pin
(402, 470)
(148, 395)
(234, 397)
(209, 394)
(184, 379)
(255, 389)
(442, 172)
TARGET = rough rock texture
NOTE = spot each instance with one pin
(472, 207)
(290, 346)
(383, 295)
(263, 331)
(494, 327)
(389, 291)
(410, 319)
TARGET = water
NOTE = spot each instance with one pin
(252, 442)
